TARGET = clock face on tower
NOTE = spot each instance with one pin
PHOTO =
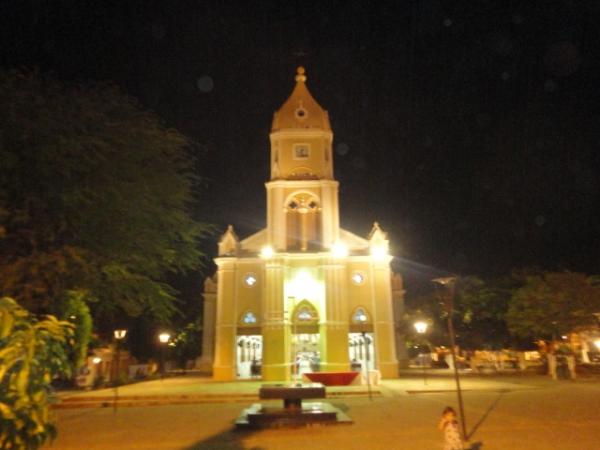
(301, 151)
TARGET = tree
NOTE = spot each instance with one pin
(187, 343)
(76, 311)
(95, 196)
(481, 307)
(552, 304)
(32, 353)
(479, 312)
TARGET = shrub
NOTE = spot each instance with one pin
(32, 352)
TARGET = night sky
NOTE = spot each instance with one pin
(470, 130)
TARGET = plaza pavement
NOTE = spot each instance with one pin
(503, 413)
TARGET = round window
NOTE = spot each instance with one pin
(250, 280)
(301, 113)
(358, 278)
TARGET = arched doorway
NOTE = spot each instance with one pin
(361, 345)
(249, 347)
(305, 339)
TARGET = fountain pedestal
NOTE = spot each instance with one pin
(294, 412)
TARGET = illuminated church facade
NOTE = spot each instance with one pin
(302, 294)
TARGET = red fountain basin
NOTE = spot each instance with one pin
(332, 378)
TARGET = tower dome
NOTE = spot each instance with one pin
(301, 110)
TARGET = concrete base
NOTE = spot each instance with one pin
(224, 373)
(312, 413)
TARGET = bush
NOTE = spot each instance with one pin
(32, 353)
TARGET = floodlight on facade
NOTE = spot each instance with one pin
(339, 250)
(379, 252)
(267, 252)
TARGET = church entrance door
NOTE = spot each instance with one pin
(362, 351)
(305, 354)
(249, 356)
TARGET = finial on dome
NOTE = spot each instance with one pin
(300, 74)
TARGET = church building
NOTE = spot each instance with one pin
(302, 294)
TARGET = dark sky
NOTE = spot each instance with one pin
(469, 129)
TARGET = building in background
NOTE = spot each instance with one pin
(302, 294)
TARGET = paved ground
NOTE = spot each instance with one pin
(503, 413)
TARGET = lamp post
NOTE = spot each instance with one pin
(421, 328)
(163, 338)
(119, 336)
(448, 284)
(362, 319)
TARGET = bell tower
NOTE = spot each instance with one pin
(302, 196)
(301, 294)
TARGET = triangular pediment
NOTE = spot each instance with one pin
(353, 241)
(255, 242)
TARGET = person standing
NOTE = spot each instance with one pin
(449, 425)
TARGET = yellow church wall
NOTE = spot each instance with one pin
(304, 281)
(288, 160)
(249, 297)
(225, 329)
(360, 294)
(315, 162)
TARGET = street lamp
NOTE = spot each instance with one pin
(119, 335)
(163, 338)
(449, 284)
(421, 328)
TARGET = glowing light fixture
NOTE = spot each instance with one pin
(164, 338)
(379, 252)
(267, 252)
(120, 334)
(597, 343)
(96, 360)
(339, 250)
(421, 327)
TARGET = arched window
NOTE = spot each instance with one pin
(305, 318)
(360, 316)
(303, 217)
(248, 318)
(361, 321)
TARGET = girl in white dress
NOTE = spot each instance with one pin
(449, 425)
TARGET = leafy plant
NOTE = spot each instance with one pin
(187, 343)
(32, 352)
